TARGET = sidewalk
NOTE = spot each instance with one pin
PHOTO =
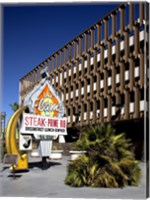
(50, 183)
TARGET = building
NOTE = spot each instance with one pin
(101, 74)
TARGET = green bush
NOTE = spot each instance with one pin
(107, 163)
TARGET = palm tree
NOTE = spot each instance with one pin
(14, 106)
(107, 163)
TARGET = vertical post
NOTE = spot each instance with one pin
(136, 105)
(102, 57)
(113, 25)
(142, 69)
(113, 80)
(101, 110)
(98, 34)
(126, 104)
(92, 38)
(105, 30)
(60, 53)
(117, 50)
(109, 108)
(131, 72)
(131, 10)
(122, 20)
(122, 72)
(141, 12)
(126, 46)
(86, 41)
(136, 41)
(80, 46)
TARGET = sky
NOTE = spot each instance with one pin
(33, 32)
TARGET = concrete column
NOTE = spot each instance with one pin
(102, 57)
(80, 46)
(141, 69)
(70, 51)
(88, 63)
(75, 49)
(71, 115)
(52, 63)
(141, 12)
(101, 110)
(109, 54)
(105, 82)
(98, 85)
(127, 104)
(122, 76)
(65, 55)
(98, 34)
(82, 69)
(35, 77)
(79, 85)
(117, 50)
(105, 30)
(88, 112)
(122, 20)
(91, 87)
(131, 72)
(113, 80)
(136, 41)
(126, 46)
(95, 61)
(131, 15)
(85, 89)
(92, 38)
(74, 93)
(77, 69)
(56, 57)
(109, 108)
(94, 111)
(60, 53)
(136, 104)
(113, 25)
(86, 41)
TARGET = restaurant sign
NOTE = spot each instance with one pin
(46, 111)
(41, 125)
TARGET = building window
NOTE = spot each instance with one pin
(68, 111)
(105, 103)
(85, 108)
(82, 83)
(92, 67)
(91, 106)
(85, 70)
(127, 72)
(79, 73)
(98, 104)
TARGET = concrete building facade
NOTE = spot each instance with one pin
(100, 74)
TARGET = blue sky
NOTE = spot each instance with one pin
(31, 33)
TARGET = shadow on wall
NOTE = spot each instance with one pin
(134, 130)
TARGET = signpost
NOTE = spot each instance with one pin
(42, 121)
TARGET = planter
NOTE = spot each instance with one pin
(56, 154)
(76, 154)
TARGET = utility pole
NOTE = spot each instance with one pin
(2, 133)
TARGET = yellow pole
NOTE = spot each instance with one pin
(11, 145)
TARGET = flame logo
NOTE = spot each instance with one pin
(47, 104)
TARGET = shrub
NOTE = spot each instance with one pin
(107, 163)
